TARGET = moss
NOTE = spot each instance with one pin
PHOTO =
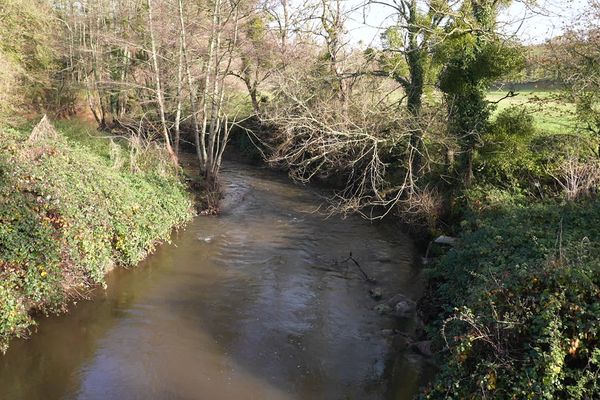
(69, 210)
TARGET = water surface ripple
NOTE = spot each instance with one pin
(254, 304)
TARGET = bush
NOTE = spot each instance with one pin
(521, 317)
(67, 215)
(506, 157)
(27, 56)
(518, 157)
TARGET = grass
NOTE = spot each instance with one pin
(552, 114)
(72, 207)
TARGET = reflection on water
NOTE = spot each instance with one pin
(253, 304)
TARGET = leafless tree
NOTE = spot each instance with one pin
(157, 81)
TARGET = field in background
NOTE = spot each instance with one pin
(551, 113)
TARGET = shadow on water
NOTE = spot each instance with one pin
(254, 304)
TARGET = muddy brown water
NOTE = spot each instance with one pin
(254, 304)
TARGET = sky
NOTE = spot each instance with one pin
(548, 19)
(530, 24)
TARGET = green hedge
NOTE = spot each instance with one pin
(69, 211)
(521, 304)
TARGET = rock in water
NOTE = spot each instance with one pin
(423, 348)
(376, 293)
(445, 240)
(405, 309)
(382, 309)
(395, 299)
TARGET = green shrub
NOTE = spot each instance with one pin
(521, 312)
(506, 157)
(67, 215)
(27, 56)
(517, 156)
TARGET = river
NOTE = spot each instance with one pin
(253, 304)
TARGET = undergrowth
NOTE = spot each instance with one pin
(72, 207)
(516, 305)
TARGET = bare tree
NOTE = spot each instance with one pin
(577, 178)
(211, 125)
(315, 140)
(157, 81)
(257, 53)
(407, 57)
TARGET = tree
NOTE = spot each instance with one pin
(577, 63)
(155, 79)
(28, 56)
(334, 121)
(159, 91)
(474, 55)
(211, 126)
(407, 58)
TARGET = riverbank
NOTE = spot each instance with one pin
(73, 206)
(513, 308)
(259, 302)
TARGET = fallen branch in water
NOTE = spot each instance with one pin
(364, 274)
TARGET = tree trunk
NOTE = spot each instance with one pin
(159, 93)
(414, 89)
(193, 107)
(179, 100)
(204, 165)
(254, 98)
(468, 167)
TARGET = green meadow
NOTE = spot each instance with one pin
(551, 112)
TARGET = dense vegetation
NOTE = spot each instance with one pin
(27, 58)
(72, 208)
(446, 122)
(72, 205)
(513, 308)
(517, 301)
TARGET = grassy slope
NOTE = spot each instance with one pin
(70, 209)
